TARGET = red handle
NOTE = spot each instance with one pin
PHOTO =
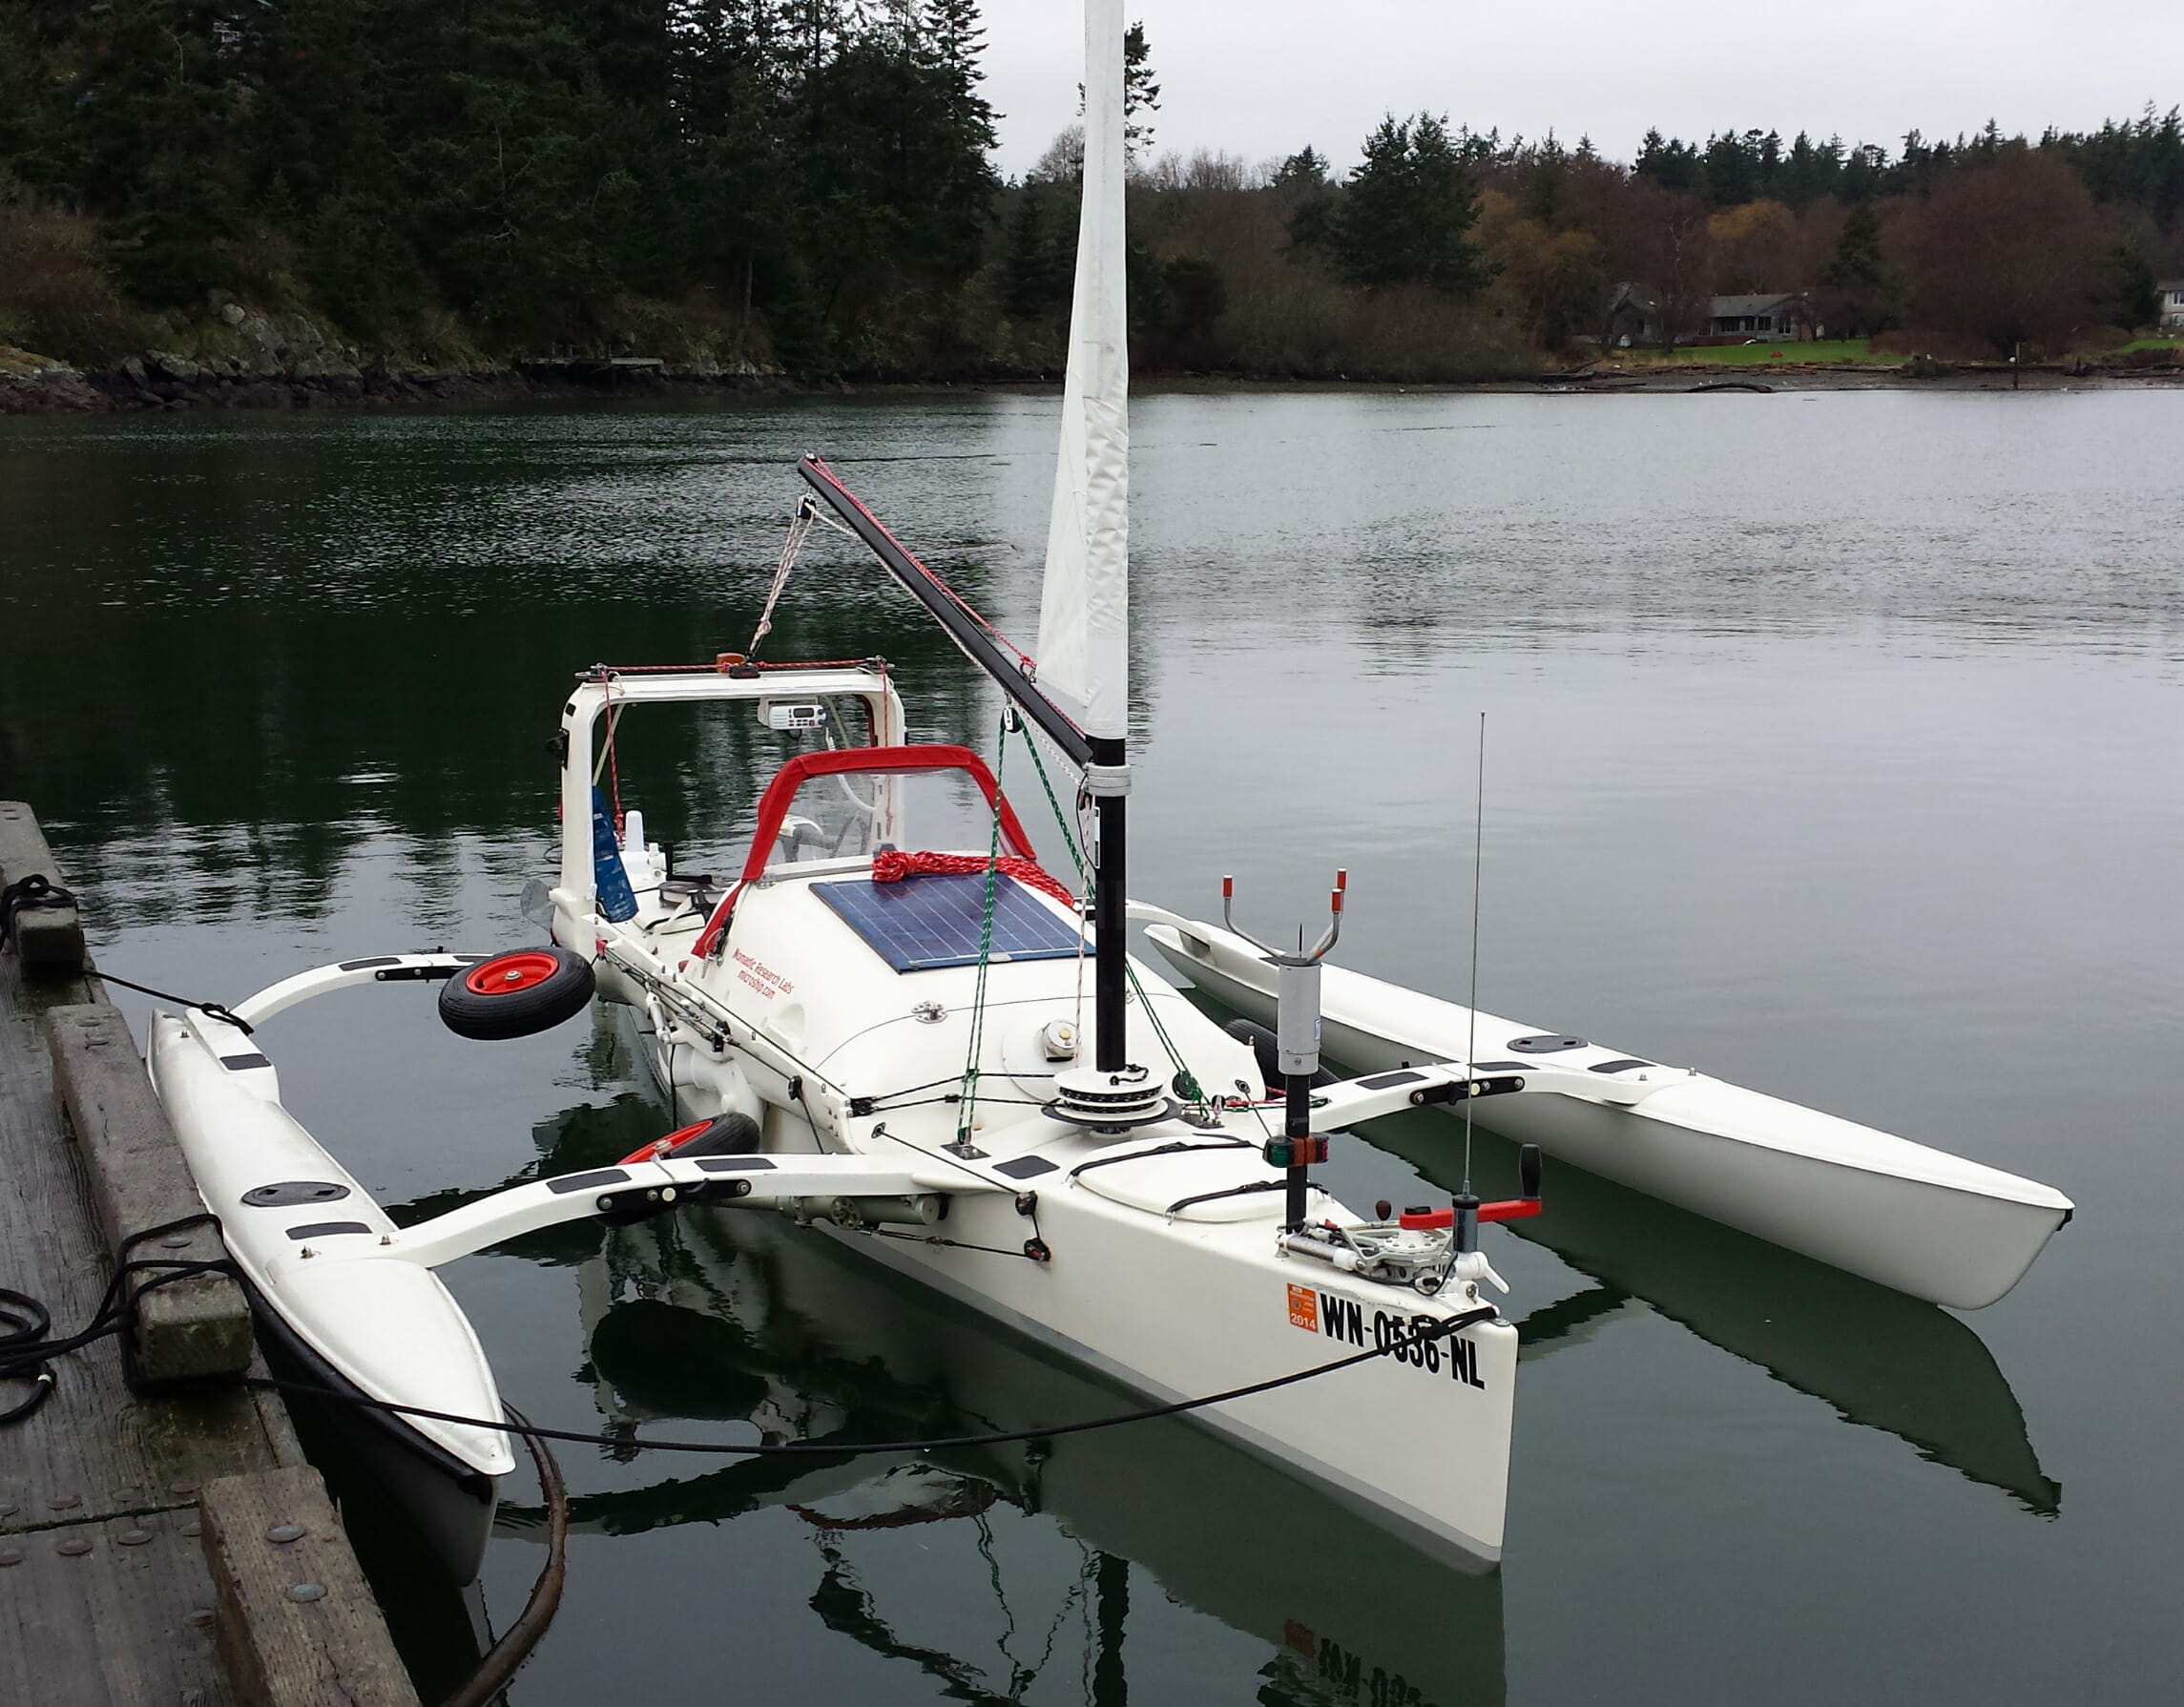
(1509, 1209)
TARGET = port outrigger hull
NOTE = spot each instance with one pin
(1928, 1223)
(337, 1308)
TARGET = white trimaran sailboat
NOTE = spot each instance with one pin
(888, 1045)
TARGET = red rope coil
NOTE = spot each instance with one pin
(892, 865)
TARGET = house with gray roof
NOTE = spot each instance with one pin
(1774, 314)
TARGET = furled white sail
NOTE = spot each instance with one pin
(1084, 609)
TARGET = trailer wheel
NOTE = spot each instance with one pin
(516, 993)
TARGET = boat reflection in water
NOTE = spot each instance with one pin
(1882, 1359)
(744, 1316)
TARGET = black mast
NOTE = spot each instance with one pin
(1111, 895)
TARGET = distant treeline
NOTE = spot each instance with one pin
(807, 186)
(1979, 245)
(802, 180)
(2138, 163)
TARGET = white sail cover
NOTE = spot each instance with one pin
(1084, 609)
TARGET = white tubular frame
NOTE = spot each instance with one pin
(363, 968)
(1378, 1093)
(752, 1181)
(580, 717)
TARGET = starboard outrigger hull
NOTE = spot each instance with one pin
(1926, 1222)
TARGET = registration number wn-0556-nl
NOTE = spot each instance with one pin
(1346, 1320)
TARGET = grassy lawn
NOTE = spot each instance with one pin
(1765, 355)
(2176, 345)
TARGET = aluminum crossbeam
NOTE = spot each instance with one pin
(1376, 1094)
(631, 1191)
(363, 968)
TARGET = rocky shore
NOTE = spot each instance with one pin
(236, 358)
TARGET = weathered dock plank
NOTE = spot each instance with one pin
(297, 1619)
(49, 940)
(110, 1615)
(188, 1328)
(110, 1598)
(94, 1444)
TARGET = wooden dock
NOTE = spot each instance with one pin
(162, 1540)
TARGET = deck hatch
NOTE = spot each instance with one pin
(927, 922)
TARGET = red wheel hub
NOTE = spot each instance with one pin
(659, 1148)
(505, 974)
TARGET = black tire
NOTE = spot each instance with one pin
(1268, 1048)
(516, 993)
(731, 1135)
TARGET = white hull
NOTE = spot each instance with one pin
(1423, 1450)
(843, 1033)
(813, 1321)
(1915, 1219)
(378, 1325)
(1175, 1309)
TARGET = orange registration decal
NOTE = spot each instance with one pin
(1304, 1308)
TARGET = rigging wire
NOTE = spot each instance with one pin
(1186, 1082)
(1424, 1334)
(1082, 901)
(607, 757)
(967, 1116)
(799, 530)
(1478, 862)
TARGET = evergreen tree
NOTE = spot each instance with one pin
(1140, 90)
(1810, 171)
(1858, 250)
(2136, 161)
(1730, 171)
(2133, 285)
(1405, 214)
(1856, 297)
(1304, 170)
(1039, 261)
(1672, 165)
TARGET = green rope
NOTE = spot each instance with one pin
(1185, 1080)
(970, 1068)
(1061, 819)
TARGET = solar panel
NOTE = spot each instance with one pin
(932, 921)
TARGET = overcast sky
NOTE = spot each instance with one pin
(1263, 79)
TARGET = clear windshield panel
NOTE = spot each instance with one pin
(853, 815)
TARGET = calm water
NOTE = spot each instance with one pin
(1834, 747)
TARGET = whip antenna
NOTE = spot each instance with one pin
(1478, 861)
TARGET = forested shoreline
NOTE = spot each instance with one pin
(372, 196)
